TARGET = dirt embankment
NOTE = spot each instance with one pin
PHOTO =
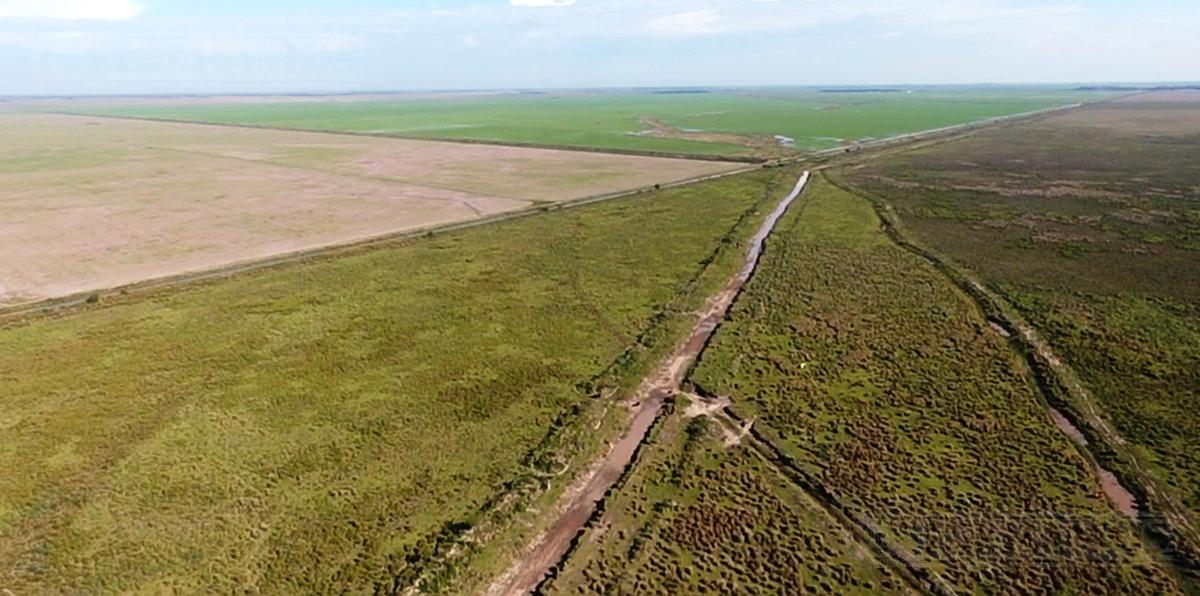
(585, 496)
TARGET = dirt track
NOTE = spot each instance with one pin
(584, 496)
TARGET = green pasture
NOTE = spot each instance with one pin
(611, 120)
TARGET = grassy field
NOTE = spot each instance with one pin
(700, 516)
(330, 426)
(719, 122)
(867, 367)
(94, 203)
(1089, 223)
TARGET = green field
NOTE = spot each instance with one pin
(329, 426)
(1089, 224)
(885, 384)
(609, 120)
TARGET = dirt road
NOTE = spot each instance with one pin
(584, 496)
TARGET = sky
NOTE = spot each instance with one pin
(50, 47)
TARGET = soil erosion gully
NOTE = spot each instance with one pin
(583, 497)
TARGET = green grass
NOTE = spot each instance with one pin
(1090, 226)
(883, 382)
(318, 427)
(610, 120)
(1143, 356)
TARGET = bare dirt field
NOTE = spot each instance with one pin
(1164, 96)
(92, 203)
(1169, 119)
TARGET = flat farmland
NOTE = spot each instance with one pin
(335, 425)
(717, 122)
(93, 203)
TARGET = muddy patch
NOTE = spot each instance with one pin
(1120, 496)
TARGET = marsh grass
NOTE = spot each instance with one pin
(869, 368)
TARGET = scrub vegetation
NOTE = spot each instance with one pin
(342, 425)
(700, 516)
(1089, 224)
(883, 383)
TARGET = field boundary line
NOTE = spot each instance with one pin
(1165, 522)
(938, 136)
(918, 140)
(862, 531)
(723, 157)
(806, 156)
(16, 312)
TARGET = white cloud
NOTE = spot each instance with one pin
(692, 22)
(541, 3)
(551, 43)
(107, 10)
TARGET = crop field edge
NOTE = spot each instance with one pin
(1162, 522)
(722, 157)
(11, 313)
(15, 313)
(873, 144)
(850, 156)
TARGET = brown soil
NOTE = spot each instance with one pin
(1167, 96)
(96, 203)
(582, 499)
(1175, 118)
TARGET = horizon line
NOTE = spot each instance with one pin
(1115, 85)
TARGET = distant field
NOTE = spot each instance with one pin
(325, 426)
(1089, 223)
(885, 384)
(93, 203)
(713, 123)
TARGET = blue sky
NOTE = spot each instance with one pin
(175, 46)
